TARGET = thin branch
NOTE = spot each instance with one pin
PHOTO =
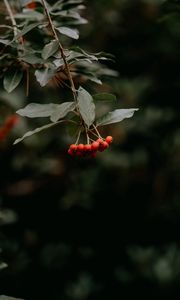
(61, 50)
(13, 21)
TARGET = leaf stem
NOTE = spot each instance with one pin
(71, 121)
(87, 136)
(73, 89)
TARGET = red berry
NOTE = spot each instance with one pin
(87, 148)
(3, 133)
(79, 153)
(103, 146)
(11, 121)
(31, 5)
(109, 139)
(70, 152)
(95, 146)
(73, 147)
(93, 154)
(100, 141)
(80, 147)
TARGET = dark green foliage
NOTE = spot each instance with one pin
(109, 227)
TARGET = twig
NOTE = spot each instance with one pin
(61, 50)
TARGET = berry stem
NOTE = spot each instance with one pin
(78, 137)
(92, 132)
(87, 136)
(97, 131)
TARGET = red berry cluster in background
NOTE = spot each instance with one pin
(31, 5)
(90, 150)
(9, 123)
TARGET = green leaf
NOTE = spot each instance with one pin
(86, 106)
(104, 97)
(80, 21)
(73, 56)
(44, 75)
(25, 2)
(116, 116)
(12, 79)
(50, 49)
(94, 79)
(72, 33)
(91, 56)
(29, 133)
(73, 2)
(28, 28)
(3, 297)
(87, 75)
(5, 42)
(60, 5)
(3, 265)
(62, 110)
(30, 15)
(104, 56)
(73, 128)
(25, 30)
(32, 59)
(36, 110)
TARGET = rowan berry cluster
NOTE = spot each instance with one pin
(9, 123)
(90, 150)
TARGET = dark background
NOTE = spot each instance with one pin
(107, 227)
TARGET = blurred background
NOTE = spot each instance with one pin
(108, 227)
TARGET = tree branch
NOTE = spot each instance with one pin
(61, 50)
